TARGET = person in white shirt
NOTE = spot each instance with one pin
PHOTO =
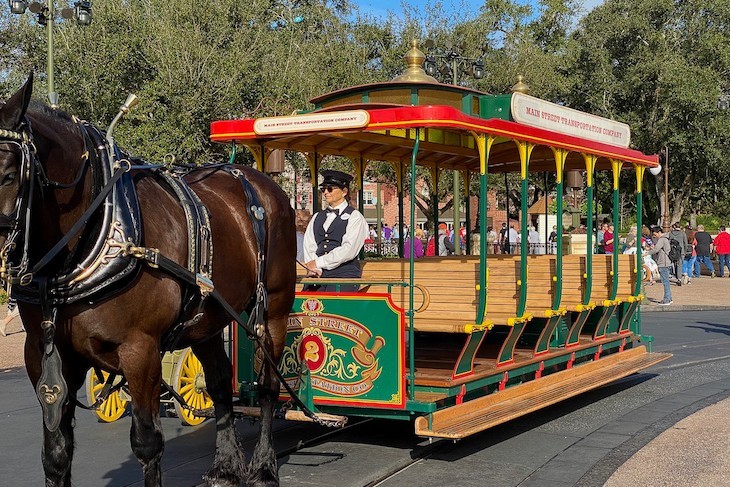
(514, 239)
(533, 237)
(335, 235)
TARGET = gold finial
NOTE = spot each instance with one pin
(415, 73)
(520, 86)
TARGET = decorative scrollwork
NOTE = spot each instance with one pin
(116, 244)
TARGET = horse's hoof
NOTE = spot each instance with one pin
(212, 479)
(219, 483)
(257, 481)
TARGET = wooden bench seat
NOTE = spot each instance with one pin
(451, 284)
(626, 277)
(573, 282)
(602, 280)
(449, 281)
(540, 285)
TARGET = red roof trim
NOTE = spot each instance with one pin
(449, 117)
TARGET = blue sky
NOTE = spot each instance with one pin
(380, 8)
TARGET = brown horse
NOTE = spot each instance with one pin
(121, 331)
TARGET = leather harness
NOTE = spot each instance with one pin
(116, 254)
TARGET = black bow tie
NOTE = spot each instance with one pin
(333, 210)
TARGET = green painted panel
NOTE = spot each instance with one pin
(495, 106)
(353, 345)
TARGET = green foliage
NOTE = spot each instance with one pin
(711, 222)
(658, 65)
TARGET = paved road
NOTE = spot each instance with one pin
(578, 442)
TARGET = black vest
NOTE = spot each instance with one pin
(331, 239)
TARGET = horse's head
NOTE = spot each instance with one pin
(15, 154)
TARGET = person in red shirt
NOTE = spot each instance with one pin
(608, 239)
(722, 247)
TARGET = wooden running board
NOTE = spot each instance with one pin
(479, 414)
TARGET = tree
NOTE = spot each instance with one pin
(660, 66)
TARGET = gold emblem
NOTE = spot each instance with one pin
(50, 394)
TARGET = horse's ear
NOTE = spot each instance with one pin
(11, 114)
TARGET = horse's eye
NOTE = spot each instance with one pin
(8, 179)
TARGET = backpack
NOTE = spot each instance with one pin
(675, 251)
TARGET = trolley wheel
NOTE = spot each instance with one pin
(115, 405)
(188, 380)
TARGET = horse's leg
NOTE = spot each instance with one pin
(263, 470)
(141, 365)
(58, 446)
(229, 465)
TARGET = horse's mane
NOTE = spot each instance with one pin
(62, 119)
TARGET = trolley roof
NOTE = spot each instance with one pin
(388, 134)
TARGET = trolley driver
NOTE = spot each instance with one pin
(335, 235)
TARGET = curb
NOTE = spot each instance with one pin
(653, 308)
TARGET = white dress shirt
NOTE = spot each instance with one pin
(352, 241)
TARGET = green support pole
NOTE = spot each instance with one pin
(525, 151)
(590, 167)
(401, 212)
(435, 203)
(616, 166)
(639, 224)
(456, 207)
(411, 280)
(467, 203)
(560, 157)
(315, 183)
(484, 144)
(361, 197)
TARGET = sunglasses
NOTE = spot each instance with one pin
(324, 189)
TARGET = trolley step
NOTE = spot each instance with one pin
(479, 414)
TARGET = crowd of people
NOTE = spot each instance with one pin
(678, 255)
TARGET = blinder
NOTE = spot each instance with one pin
(13, 222)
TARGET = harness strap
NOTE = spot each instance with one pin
(25, 279)
(256, 215)
(157, 260)
(106, 391)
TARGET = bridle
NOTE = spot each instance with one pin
(18, 222)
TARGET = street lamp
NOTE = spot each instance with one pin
(451, 61)
(81, 11)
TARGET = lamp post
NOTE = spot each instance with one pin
(46, 15)
(451, 61)
(665, 217)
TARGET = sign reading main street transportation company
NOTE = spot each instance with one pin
(535, 112)
(347, 342)
(313, 122)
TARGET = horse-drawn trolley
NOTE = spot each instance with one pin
(459, 343)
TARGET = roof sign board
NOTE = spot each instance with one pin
(535, 112)
(313, 122)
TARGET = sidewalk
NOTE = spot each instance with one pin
(11, 346)
(693, 452)
(704, 293)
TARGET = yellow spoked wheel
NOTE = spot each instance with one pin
(115, 405)
(645, 272)
(189, 381)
